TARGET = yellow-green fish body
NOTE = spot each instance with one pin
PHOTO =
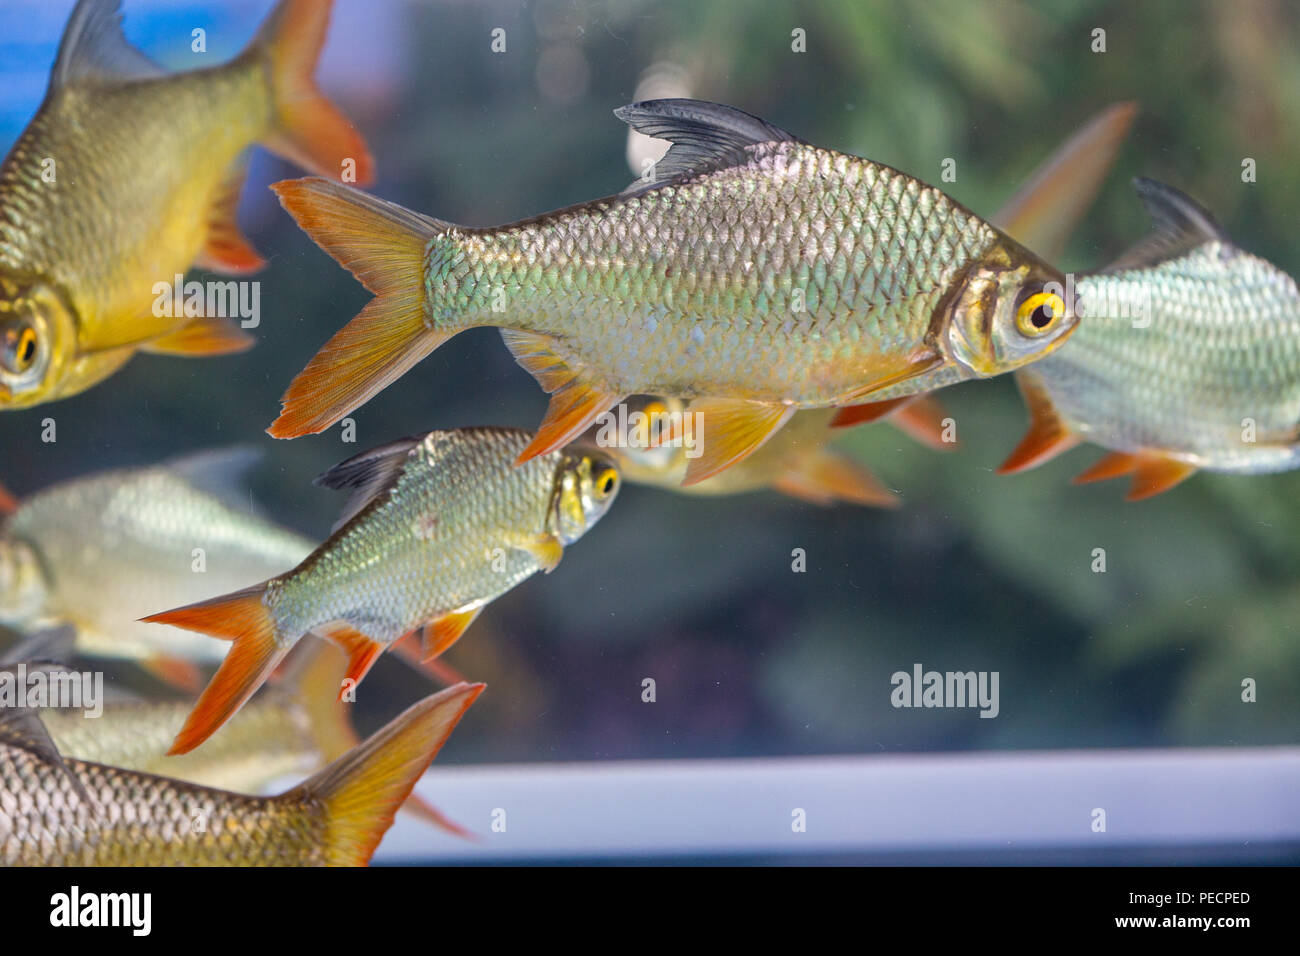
(438, 527)
(138, 819)
(102, 551)
(757, 274)
(127, 176)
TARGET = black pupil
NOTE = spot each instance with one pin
(26, 349)
(1042, 317)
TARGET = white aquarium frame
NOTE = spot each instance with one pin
(923, 806)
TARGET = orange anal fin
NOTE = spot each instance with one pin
(446, 631)
(849, 415)
(575, 404)
(572, 409)
(204, 337)
(175, 671)
(825, 477)
(926, 422)
(226, 248)
(1047, 437)
(1156, 475)
(729, 431)
(362, 653)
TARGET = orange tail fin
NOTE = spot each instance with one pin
(309, 129)
(383, 245)
(240, 617)
(362, 791)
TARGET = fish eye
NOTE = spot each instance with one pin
(1039, 313)
(606, 483)
(20, 348)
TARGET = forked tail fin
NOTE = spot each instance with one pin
(241, 617)
(383, 245)
(308, 129)
(363, 790)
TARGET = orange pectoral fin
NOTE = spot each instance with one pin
(1048, 435)
(730, 430)
(204, 337)
(446, 631)
(1152, 474)
(362, 652)
(825, 477)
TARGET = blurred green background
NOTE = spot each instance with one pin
(974, 572)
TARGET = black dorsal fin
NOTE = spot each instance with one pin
(368, 474)
(95, 50)
(705, 136)
(1181, 224)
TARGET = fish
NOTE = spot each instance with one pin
(57, 811)
(128, 175)
(1188, 359)
(437, 526)
(100, 551)
(292, 728)
(756, 275)
(797, 461)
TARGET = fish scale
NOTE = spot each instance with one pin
(141, 820)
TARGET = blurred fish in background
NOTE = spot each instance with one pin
(87, 236)
(101, 552)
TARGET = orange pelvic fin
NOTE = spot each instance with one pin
(227, 249)
(1152, 474)
(1048, 435)
(409, 649)
(243, 618)
(575, 403)
(383, 245)
(849, 415)
(825, 477)
(309, 130)
(8, 503)
(446, 631)
(731, 430)
(204, 337)
(362, 790)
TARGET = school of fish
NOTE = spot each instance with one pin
(709, 330)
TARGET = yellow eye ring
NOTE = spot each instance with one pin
(1039, 313)
(606, 483)
(20, 350)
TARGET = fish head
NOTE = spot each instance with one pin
(585, 487)
(38, 331)
(24, 592)
(1009, 311)
(637, 450)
